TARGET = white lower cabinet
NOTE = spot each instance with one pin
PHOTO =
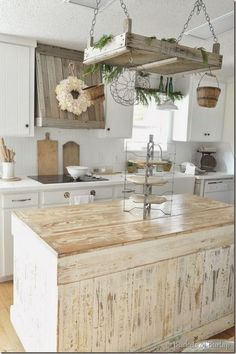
(50, 198)
(9, 204)
(61, 197)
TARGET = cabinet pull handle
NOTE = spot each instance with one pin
(66, 195)
(21, 200)
(27, 125)
(93, 192)
(128, 191)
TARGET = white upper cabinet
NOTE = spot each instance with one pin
(16, 86)
(192, 122)
(119, 118)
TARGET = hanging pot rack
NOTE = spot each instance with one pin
(137, 52)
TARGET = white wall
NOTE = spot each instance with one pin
(228, 133)
(94, 152)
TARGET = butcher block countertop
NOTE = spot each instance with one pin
(78, 229)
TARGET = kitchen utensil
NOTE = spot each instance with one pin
(71, 155)
(77, 171)
(8, 170)
(6, 155)
(47, 156)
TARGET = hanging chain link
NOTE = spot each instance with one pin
(96, 10)
(199, 5)
(124, 7)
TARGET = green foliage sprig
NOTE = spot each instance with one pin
(205, 55)
(169, 40)
(109, 72)
(103, 41)
(146, 95)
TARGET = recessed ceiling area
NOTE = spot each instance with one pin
(67, 25)
(221, 24)
(91, 3)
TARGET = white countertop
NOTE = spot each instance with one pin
(28, 184)
(214, 175)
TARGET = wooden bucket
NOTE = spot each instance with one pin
(95, 93)
(207, 96)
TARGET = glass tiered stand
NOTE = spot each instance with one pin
(149, 179)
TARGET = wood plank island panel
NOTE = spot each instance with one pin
(157, 285)
(52, 66)
(74, 230)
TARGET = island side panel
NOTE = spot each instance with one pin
(35, 300)
(162, 305)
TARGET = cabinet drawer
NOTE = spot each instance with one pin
(22, 200)
(62, 196)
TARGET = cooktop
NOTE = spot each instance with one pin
(66, 179)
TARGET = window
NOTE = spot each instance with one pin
(149, 120)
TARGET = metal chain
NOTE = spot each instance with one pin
(199, 5)
(96, 10)
(209, 22)
(124, 7)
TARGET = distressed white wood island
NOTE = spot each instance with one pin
(92, 278)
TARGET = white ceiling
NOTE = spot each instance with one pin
(63, 24)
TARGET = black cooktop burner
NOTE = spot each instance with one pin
(66, 179)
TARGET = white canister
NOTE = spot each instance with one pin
(8, 170)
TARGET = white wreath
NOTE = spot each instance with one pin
(67, 102)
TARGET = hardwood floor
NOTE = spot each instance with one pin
(9, 341)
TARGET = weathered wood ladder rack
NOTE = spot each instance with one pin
(149, 54)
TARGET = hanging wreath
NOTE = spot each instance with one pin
(71, 96)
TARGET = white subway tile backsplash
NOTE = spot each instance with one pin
(94, 152)
(97, 152)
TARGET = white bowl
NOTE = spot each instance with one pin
(77, 171)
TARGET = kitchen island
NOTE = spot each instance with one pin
(92, 278)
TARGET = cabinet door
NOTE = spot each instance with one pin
(206, 124)
(119, 119)
(7, 241)
(16, 90)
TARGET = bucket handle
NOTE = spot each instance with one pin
(209, 74)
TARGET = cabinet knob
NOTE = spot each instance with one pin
(93, 192)
(27, 125)
(108, 129)
(66, 195)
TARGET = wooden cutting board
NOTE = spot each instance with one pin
(47, 156)
(71, 155)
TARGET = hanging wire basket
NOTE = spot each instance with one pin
(123, 87)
